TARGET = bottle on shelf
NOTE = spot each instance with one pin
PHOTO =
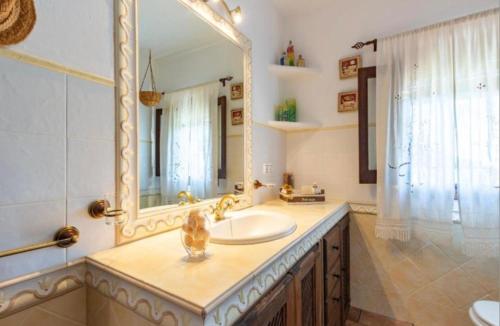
(282, 59)
(301, 62)
(290, 54)
(291, 105)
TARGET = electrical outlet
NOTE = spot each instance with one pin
(267, 168)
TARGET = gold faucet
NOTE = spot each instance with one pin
(225, 203)
(189, 198)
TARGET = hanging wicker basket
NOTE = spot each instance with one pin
(153, 97)
(149, 98)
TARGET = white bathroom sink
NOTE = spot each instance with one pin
(246, 227)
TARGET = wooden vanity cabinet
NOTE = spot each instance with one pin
(345, 267)
(308, 287)
(276, 308)
(314, 292)
(336, 284)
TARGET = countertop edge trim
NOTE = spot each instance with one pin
(154, 290)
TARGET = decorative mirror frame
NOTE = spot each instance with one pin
(142, 223)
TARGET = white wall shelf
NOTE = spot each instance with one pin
(293, 126)
(292, 72)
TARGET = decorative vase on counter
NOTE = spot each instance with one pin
(195, 234)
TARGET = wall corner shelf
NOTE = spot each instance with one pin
(293, 126)
(291, 71)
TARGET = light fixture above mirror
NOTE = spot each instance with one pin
(234, 14)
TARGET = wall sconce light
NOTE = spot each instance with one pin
(235, 14)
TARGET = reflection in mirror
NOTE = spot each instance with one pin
(188, 142)
(372, 150)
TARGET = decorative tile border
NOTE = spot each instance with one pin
(151, 303)
(32, 291)
(157, 219)
(53, 66)
(145, 303)
(363, 208)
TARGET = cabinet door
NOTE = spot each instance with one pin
(308, 283)
(345, 267)
(333, 306)
(276, 308)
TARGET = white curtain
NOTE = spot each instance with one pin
(437, 127)
(477, 112)
(188, 152)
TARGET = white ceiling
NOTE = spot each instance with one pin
(295, 7)
(167, 27)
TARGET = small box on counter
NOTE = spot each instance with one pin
(303, 199)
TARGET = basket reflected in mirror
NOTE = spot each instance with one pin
(149, 98)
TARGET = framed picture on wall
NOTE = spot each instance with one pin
(237, 117)
(236, 91)
(348, 67)
(348, 101)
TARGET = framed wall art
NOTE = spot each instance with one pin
(348, 101)
(237, 91)
(237, 117)
(348, 67)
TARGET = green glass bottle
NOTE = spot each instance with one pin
(284, 112)
(277, 112)
(291, 105)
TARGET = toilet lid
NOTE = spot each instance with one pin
(487, 311)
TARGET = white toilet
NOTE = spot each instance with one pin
(485, 313)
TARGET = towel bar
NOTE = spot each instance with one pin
(65, 237)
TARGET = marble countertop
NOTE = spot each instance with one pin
(160, 262)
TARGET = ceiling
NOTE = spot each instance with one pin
(295, 7)
(167, 27)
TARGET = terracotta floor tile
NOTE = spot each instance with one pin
(392, 322)
(354, 314)
(371, 319)
(359, 317)
(351, 323)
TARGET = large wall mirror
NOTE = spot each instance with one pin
(196, 138)
(191, 140)
(367, 126)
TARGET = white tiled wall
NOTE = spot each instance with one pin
(329, 158)
(77, 34)
(91, 162)
(57, 136)
(57, 141)
(269, 148)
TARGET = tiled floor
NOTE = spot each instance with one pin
(358, 317)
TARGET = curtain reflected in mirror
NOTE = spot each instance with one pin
(187, 141)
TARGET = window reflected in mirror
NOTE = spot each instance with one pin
(188, 141)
